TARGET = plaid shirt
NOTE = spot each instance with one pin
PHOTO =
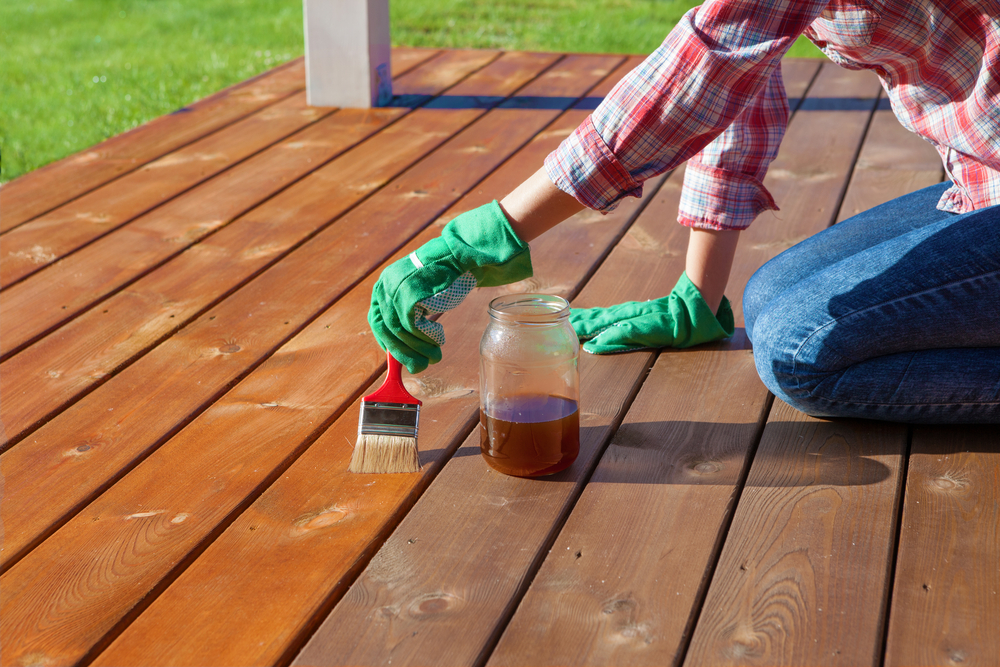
(712, 95)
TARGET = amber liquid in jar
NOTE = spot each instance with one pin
(530, 435)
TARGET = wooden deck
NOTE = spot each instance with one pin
(184, 345)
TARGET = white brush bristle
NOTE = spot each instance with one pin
(385, 453)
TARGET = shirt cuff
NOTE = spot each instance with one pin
(584, 167)
(714, 198)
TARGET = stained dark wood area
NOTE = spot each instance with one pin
(183, 348)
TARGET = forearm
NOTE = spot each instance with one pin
(709, 260)
(537, 205)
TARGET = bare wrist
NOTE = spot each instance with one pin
(537, 205)
(709, 260)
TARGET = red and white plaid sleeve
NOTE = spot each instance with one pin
(723, 184)
(713, 84)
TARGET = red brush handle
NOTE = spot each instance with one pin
(392, 390)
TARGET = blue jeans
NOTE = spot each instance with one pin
(893, 314)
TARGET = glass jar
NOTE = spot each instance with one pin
(529, 386)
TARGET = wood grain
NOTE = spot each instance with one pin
(627, 573)
(40, 303)
(35, 245)
(946, 597)
(226, 457)
(46, 188)
(203, 359)
(332, 545)
(439, 592)
(432, 595)
(61, 367)
(620, 583)
(759, 619)
(601, 596)
(802, 576)
(805, 563)
(55, 184)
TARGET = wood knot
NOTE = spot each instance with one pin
(742, 650)
(83, 448)
(706, 467)
(619, 606)
(433, 604)
(319, 519)
(950, 481)
(229, 348)
(37, 660)
(956, 656)
(431, 389)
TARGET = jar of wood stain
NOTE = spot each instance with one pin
(529, 386)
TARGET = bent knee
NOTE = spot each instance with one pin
(791, 359)
(764, 286)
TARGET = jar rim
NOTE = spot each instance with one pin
(529, 308)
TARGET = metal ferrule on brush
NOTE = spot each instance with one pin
(398, 419)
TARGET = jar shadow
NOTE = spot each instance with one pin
(790, 454)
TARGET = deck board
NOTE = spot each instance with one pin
(147, 318)
(78, 356)
(280, 614)
(803, 576)
(278, 301)
(35, 245)
(49, 187)
(215, 340)
(44, 189)
(76, 282)
(892, 162)
(473, 598)
(753, 613)
(686, 458)
(180, 395)
(946, 597)
(194, 367)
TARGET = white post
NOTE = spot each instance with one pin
(347, 53)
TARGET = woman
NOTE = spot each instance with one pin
(893, 314)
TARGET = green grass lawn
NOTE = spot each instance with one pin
(74, 72)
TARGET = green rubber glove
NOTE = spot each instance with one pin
(478, 248)
(680, 320)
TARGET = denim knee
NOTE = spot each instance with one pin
(761, 289)
(785, 353)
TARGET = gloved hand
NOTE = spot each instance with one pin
(478, 248)
(681, 319)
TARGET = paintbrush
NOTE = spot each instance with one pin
(387, 427)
